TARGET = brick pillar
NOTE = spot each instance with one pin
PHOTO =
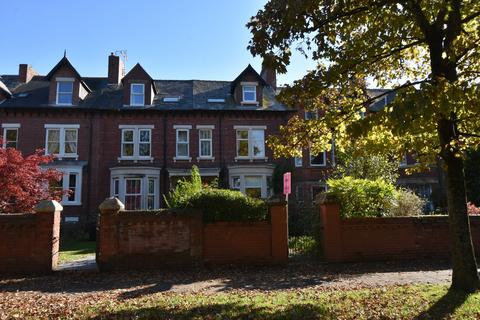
(279, 225)
(107, 232)
(331, 231)
(47, 235)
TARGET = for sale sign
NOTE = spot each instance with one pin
(287, 183)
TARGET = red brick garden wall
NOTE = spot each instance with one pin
(137, 240)
(368, 239)
(29, 242)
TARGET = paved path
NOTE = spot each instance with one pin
(85, 264)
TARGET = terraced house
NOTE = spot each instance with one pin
(131, 136)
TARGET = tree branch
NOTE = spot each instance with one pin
(467, 134)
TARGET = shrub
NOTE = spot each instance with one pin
(406, 203)
(227, 205)
(215, 204)
(185, 189)
(361, 197)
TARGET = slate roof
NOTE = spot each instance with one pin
(193, 94)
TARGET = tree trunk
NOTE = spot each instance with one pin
(465, 275)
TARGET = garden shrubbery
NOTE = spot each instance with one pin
(215, 204)
(373, 198)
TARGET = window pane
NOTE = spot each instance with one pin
(133, 186)
(249, 93)
(182, 150)
(53, 148)
(253, 181)
(205, 134)
(64, 98)
(242, 134)
(258, 143)
(72, 183)
(137, 88)
(144, 149)
(318, 160)
(144, 135)
(65, 87)
(205, 149)
(236, 183)
(116, 187)
(137, 99)
(182, 135)
(150, 202)
(253, 192)
(70, 135)
(133, 202)
(71, 147)
(128, 135)
(53, 135)
(242, 148)
(11, 134)
(151, 186)
(127, 150)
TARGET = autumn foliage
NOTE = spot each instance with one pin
(23, 183)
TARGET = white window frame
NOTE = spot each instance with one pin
(200, 140)
(241, 171)
(8, 127)
(136, 141)
(132, 94)
(319, 165)
(119, 176)
(246, 85)
(66, 172)
(179, 128)
(62, 128)
(64, 80)
(250, 155)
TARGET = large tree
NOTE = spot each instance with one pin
(426, 51)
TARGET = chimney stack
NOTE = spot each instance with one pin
(269, 75)
(115, 69)
(25, 73)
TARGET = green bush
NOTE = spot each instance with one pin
(227, 205)
(361, 197)
(406, 203)
(215, 204)
(185, 189)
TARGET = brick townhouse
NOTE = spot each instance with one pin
(131, 136)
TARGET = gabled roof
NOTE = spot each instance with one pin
(64, 62)
(139, 69)
(248, 69)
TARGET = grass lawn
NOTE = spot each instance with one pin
(72, 250)
(397, 302)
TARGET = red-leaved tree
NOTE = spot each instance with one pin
(23, 183)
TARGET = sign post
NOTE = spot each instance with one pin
(287, 184)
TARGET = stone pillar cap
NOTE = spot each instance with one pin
(112, 204)
(48, 206)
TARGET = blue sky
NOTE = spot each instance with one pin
(181, 39)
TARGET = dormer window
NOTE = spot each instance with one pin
(249, 93)
(64, 92)
(137, 94)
